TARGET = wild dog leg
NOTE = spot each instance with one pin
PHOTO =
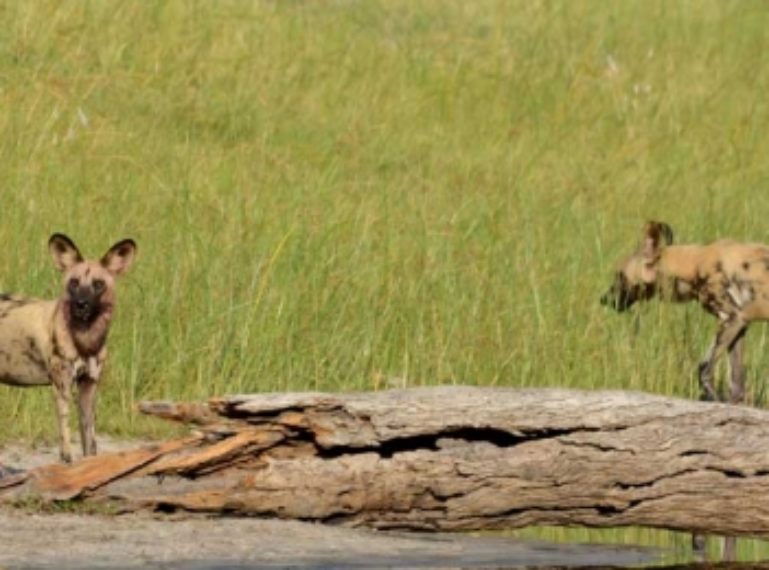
(737, 370)
(87, 402)
(730, 336)
(63, 397)
(729, 330)
(86, 387)
(699, 544)
(736, 396)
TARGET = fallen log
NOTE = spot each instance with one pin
(446, 458)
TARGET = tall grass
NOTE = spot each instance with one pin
(332, 195)
(335, 195)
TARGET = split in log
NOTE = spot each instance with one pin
(446, 458)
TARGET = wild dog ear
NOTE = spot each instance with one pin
(119, 257)
(656, 235)
(64, 252)
(666, 232)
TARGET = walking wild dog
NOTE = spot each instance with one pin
(730, 280)
(62, 342)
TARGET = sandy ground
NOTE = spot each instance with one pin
(33, 540)
(71, 541)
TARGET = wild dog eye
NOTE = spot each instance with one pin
(98, 285)
(72, 284)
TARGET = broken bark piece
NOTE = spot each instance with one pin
(63, 482)
(194, 413)
(240, 447)
(451, 458)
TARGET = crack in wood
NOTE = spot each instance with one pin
(598, 446)
(652, 482)
(450, 437)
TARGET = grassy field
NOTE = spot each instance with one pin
(344, 195)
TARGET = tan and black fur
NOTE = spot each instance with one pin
(62, 342)
(730, 280)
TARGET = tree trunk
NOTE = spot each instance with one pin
(448, 458)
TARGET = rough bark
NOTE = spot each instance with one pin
(448, 458)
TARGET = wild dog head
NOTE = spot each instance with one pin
(89, 285)
(636, 278)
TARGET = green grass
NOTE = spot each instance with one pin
(35, 504)
(333, 195)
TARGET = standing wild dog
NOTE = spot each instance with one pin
(729, 279)
(62, 342)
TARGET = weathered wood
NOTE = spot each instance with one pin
(449, 458)
(64, 482)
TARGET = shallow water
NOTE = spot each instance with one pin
(677, 545)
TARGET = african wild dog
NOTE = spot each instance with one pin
(62, 342)
(729, 279)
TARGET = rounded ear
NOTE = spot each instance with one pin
(64, 252)
(656, 235)
(119, 257)
(666, 232)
